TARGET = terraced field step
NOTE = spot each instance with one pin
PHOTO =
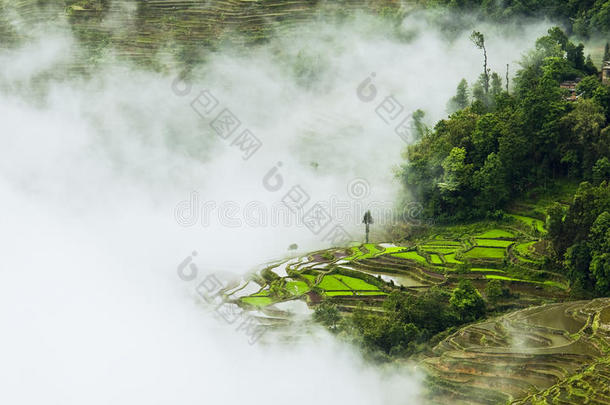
(143, 30)
(542, 349)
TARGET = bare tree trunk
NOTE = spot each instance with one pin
(486, 72)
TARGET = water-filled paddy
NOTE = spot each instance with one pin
(398, 279)
(556, 318)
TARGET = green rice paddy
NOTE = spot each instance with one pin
(410, 256)
(523, 248)
(257, 301)
(338, 293)
(332, 283)
(261, 293)
(434, 254)
(355, 283)
(538, 224)
(373, 250)
(357, 253)
(484, 253)
(493, 242)
(436, 249)
(548, 282)
(505, 278)
(451, 259)
(378, 292)
(495, 233)
(310, 277)
(444, 243)
(393, 249)
(435, 259)
(296, 287)
(484, 270)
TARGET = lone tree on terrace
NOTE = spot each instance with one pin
(367, 220)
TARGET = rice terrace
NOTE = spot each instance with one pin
(548, 350)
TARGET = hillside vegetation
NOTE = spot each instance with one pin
(583, 18)
(501, 147)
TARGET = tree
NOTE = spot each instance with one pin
(493, 291)
(473, 163)
(590, 66)
(600, 17)
(461, 99)
(479, 41)
(490, 181)
(588, 203)
(599, 238)
(575, 55)
(551, 45)
(607, 52)
(601, 171)
(430, 311)
(485, 138)
(558, 36)
(587, 86)
(463, 268)
(367, 220)
(419, 125)
(496, 84)
(584, 125)
(577, 262)
(327, 314)
(456, 170)
(480, 95)
(467, 302)
(554, 226)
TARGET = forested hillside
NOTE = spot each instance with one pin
(531, 139)
(583, 18)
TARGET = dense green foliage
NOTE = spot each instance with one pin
(410, 320)
(327, 314)
(585, 18)
(580, 235)
(473, 163)
(467, 302)
(495, 292)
